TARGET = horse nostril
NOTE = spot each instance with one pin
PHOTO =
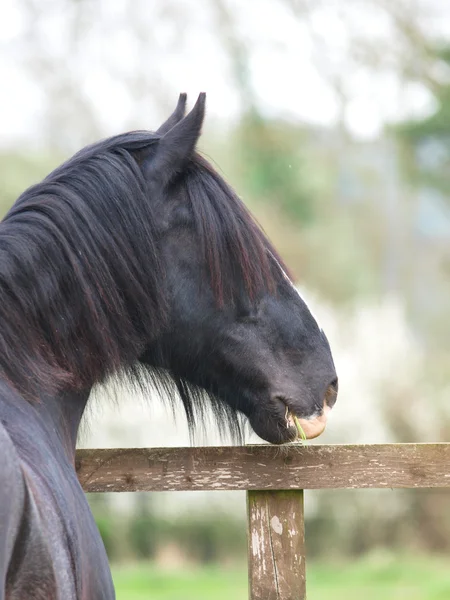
(331, 394)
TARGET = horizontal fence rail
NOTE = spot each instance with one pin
(264, 467)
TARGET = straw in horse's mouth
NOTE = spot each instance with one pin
(293, 422)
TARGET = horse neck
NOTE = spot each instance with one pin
(64, 412)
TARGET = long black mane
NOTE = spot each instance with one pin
(81, 284)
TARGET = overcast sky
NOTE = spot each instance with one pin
(288, 73)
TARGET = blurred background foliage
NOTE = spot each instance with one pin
(332, 121)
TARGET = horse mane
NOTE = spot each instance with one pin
(81, 284)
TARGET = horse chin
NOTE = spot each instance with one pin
(274, 431)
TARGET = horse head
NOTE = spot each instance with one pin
(236, 326)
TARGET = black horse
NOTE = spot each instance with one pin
(134, 257)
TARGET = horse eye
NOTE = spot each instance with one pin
(248, 314)
(249, 319)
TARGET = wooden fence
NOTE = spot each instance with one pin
(274, 478)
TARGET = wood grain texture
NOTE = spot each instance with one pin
(276, 545)
(265, 467)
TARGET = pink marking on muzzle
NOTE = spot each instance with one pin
(314, 427)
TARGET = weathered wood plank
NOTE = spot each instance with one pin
(276, 545)
(265, 467)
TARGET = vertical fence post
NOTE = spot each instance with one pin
(276, 545)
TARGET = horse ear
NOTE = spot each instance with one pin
(176, 147)
(175, 117)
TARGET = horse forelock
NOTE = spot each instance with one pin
(233, 244)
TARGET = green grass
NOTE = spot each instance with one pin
(145, 582)
(389, 579)
(370, 579)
